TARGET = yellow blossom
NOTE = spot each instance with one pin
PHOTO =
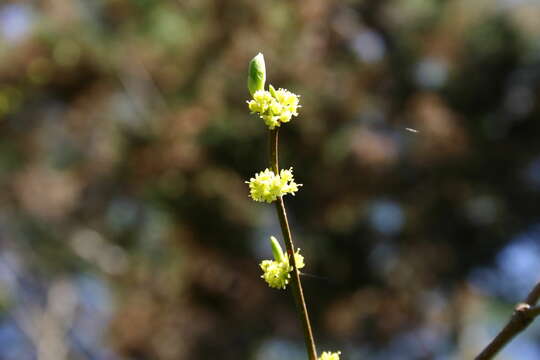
(330, 356)
(274, 106)
(277, 272)
(267, 186)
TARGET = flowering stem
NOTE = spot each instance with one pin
(296, 284)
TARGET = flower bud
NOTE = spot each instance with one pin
(256, 74)
(272, 91)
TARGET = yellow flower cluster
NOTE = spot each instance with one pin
(330, 356)
(277, 272)
(274, 106)
(267, 186)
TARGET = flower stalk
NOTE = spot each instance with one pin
(296, 284)
(276, 107)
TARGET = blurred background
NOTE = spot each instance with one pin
(126, 231)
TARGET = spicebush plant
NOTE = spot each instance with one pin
(275, 108)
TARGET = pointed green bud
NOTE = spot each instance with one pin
(276, 249)
(256, 74)
(272, 91)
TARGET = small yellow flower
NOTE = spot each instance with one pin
(271, 121)
(330, 356)
(274, 106)
(267, 186)
(262, 100)
(289, 104)
(277, 273)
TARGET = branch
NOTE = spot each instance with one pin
(295, 281)
(524, 314)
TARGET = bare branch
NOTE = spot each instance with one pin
(524, 314)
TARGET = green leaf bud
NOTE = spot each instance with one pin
(256, 74)
(276, 249)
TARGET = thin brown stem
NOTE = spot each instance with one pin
(524, 314)
(296, 284)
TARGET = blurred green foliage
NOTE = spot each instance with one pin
(126, 140)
